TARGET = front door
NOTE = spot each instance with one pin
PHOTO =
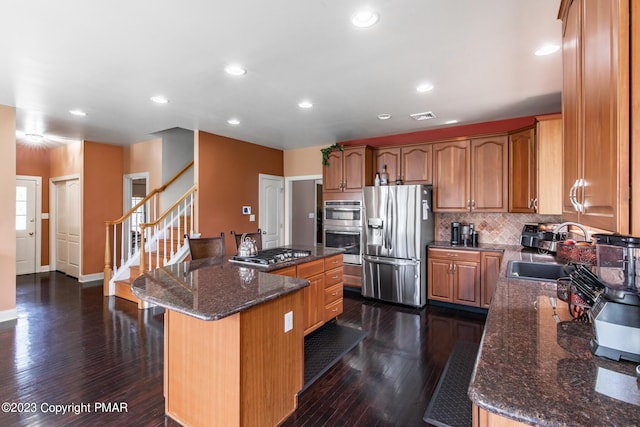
(271, 210)
(26, 231)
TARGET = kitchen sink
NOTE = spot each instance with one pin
(536, 270)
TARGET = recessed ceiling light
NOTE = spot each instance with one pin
(450, 122)
(424, 87)
(384, 116)
(364, 18)
(78, 113)
(305, 104)
(547, 49)
(235, 70)
(233, 122)
(35, 138)
(159, 99)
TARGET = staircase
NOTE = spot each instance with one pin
(131, 250)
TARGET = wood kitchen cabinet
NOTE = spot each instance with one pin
(522, 168)
(595, 106)
(454, 276)
(535, 167)
(411, 163)
(471, 175)
(490, 263)
(349, 170)
(323, 298)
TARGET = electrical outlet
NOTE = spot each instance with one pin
(288, 321)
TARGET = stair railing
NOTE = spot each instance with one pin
(123, 240)
(165, 235)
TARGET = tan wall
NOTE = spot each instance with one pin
(145, 156)
(303, 161)
(34, 161)
(101, 200)
(66, 160)
(8, 209)
(227, 176)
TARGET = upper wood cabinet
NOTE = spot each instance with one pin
(471, 175)
(596, 112)
(412, 163)
(349, 170)
(535, 167)
(522, 168)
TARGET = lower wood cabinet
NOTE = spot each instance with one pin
(323, 297)
(482, 418)
(458, 277)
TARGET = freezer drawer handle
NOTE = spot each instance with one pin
(393, 262)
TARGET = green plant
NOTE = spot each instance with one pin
(328, 150)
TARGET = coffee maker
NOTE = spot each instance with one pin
(616, 313)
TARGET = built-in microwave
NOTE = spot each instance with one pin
(342, 213)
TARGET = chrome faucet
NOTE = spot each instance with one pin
(558, 227)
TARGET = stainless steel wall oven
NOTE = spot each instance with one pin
(342, 228)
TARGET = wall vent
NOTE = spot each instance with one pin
(423, 116)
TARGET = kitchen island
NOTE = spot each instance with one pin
(234, 341)
(533, 370)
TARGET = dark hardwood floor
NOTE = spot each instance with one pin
(75, 348)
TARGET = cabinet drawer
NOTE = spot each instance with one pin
(455, 255)
(332, 277)
(332, 310)
(332, 294)
(334, 261)
(310, 268)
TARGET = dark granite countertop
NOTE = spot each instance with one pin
(537, 371)
(210, 289)
(493, 247)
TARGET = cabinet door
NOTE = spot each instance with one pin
(604, 195)
(549, 164)
(571, 46)
(332, 173)
(391, 158)
(451, 180)
(490, 268)
(439, 280)
(466, 283)
(314, 303)
(522, 191)
(357, 168)
(417, 164)
(489, 174)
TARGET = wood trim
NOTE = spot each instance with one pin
(635, 108)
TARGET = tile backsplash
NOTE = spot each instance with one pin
(502, 228)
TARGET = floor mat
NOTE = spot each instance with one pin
(324, 347)
(450, 405)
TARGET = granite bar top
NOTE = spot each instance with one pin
(213, 288)
(535, 370)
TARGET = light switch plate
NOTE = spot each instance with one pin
(252, 218)
(288, 321)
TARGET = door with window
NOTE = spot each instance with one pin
(26, 230)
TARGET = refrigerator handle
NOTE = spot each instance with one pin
(393, 222)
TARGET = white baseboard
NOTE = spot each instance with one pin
(7, 315)
(44, 269)
(91, 277)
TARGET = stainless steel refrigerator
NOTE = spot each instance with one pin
(398, 226)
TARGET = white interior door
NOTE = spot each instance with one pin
(67, 227)
(271, 210)
(26, 231)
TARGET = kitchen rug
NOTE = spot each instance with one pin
(450, 405)
(324, 347)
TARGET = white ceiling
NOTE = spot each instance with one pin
(109, 57)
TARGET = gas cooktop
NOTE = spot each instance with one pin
(271, 256)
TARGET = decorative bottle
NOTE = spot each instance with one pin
(384, 177)
(376, 181)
